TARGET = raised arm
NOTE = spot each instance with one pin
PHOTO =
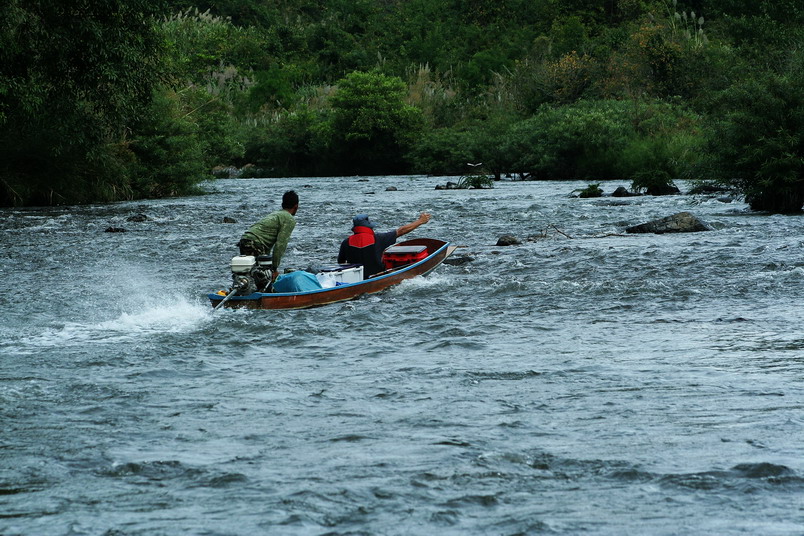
(424, 217)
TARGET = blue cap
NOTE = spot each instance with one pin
(362, 220)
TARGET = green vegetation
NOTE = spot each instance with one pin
(593, 190)
(71, 79)
(758, 144)
(476, 178)
(101, 101)
(370, 128)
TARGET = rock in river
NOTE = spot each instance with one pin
(508, 240)
(457, 260)
(622, 191)
(683, 222)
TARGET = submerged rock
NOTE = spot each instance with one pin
(457, 260)
(138, 218)
(114, 230)
(227, 219)
(683, 222)
(622, 191)
(449, 186)
(663, 189)
(508, 240)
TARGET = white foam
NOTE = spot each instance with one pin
(42, 223)
(432, 280)
(176, 315)
(794, 272)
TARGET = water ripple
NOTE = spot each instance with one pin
(583, 382)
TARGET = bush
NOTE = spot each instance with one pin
(758, 146)
(578, 141)
(167, 151)
(199, 43)
(593, 190)
(371, 126)
(442, 151)
(654, 182)
(294, 144)
(71, 78)
(218, 132)
(654, 162)
(476, 178)
(447, 151)
(602, 140)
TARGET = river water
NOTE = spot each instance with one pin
(583, 382)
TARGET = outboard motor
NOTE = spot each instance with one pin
(250, 275)
(262, 273)
(242, 265)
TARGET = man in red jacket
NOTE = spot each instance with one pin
(365, 246)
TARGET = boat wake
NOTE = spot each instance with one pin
(433, 280)
(176, 316)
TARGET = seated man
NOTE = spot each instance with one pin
(365, 246)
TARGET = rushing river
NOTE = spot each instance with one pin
(583, 382)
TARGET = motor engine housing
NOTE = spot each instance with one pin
(250, 274)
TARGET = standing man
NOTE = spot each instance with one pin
(365, 246)
(270, 235)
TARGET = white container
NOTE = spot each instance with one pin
(242, 264)
(331, 277)
(350, 275)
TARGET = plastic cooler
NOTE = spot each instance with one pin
(340, 274)
(396, 256)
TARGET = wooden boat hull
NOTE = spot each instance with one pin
(437, 251)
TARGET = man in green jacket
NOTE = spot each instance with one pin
(270, 235)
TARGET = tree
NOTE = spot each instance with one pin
(293, 145)
(199, 43)
(442, 151)
(72, 74)
(758, 146)
(371, 125)
(167, 150)
(578, 141)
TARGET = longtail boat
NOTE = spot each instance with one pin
(436, 252)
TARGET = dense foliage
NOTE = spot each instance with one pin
(73, 75)
(758, 144)
(114, 100)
